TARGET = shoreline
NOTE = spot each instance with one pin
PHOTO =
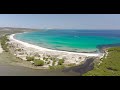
(30, 50)
(86, 66)
(11, 37)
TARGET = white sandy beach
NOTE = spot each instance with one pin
(50, 50)
(27, 49)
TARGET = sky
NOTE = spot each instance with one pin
(61, 21)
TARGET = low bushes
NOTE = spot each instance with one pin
(72, 64)
(30, 58)
(4, 44)
(48, 62)
(57, 67)
(38, 62)
(61, 61)
(110, 65)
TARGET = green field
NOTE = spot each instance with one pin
(110, 65)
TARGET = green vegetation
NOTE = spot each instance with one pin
(53, 63)
(117, 49)
(57, 67)
(72, 64)
(44, 58)
(38, 62)
(110, 65)
(18, 49)
(30, 58)
(48, 62)
(4, 44)
(51, 58)
(54, 60)
(61, 61)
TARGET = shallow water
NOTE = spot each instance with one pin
(71, 40)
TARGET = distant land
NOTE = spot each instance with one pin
(13, 28)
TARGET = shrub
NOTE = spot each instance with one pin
(51, 67)
(4, 45)
(30, 58)
(114, 49)
(53, 63)
(110, 65)
(50, 58)
(38, 62)
(72, 64)
(44, 58)
(61, 61)
(18, 49)
(57, 67)
(54, 60)
(48, 62)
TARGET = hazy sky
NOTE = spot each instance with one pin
(76, 21)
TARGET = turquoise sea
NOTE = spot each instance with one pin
(70, 39)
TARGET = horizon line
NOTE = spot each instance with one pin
(60, 28)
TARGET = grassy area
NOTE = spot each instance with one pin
(72, 64)
(110, 65)
(56, 67)
(53, 63)
(59, 66)
(38, 62)
(61, 61)
(4, 44)
(30, 58)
